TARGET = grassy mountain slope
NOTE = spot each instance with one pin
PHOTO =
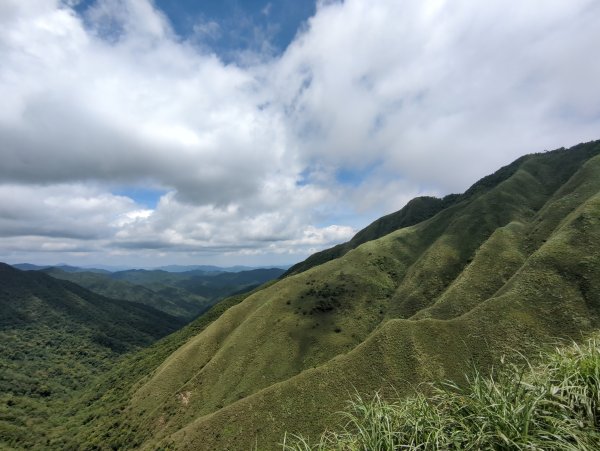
(554, 404)
(54, 337)
(417, 210)
(95, 406)
(511, 263)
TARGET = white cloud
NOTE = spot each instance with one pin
(207, 30)
(442, 92)
(60, 211)
(267, 9)
(145, 107)
(416, 97)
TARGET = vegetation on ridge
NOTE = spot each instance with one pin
(516, 264)
(552, 405)
(417, 210)
(96, 405)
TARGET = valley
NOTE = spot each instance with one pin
(56, 337)
(61, 329)
(183, 294)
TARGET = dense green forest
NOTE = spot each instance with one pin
(56, 337)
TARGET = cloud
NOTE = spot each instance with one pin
(267, 9)
(176, 226)
(62, 211)
(441, 91)
(412, 97)
(207, 30)
(115, 20)
(140, 107)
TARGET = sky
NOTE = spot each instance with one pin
(143, 133)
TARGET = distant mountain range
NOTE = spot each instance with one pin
(65, 268)
(210, 268)
(181, 294)
(168, 268)
(56, 335)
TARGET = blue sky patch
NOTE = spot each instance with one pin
(355, 176)
(229, 27)
(143, 196)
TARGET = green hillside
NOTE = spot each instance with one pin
(172, 300)
(54, 338)
(417, 210)
(181, 294)
(553, 404)
(511, 264)
(96, 405)
(227, 283)
(210, 284)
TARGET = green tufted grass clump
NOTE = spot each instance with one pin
(552, 405)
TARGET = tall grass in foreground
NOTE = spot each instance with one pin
(554, 405)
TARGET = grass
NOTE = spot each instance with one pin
(553, 405)
(417, 210)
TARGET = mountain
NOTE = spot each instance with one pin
(29, 267)
(168, 268)
(181, 294)
(111, 392)
(223, 284)
(171, 300)
(65, 268)
(415, 211)
(206, 268)
(54, 338)
(75, 269)
(510, 266)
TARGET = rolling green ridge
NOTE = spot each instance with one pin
(181, 294)
(510, 265)
(54, 338)
(172, 300)
(417, 210)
